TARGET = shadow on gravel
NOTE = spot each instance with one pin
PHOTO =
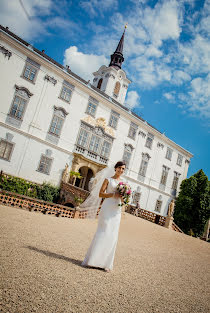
(55, 255)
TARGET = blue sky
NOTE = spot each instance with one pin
(166, 51)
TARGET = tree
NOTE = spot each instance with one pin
(192, 208)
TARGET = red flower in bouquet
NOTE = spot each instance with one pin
(125, 191)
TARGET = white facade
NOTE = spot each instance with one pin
(28, 133)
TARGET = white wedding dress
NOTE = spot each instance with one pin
(102, 249)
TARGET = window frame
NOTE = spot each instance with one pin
(99, 144)
(135, 128)
(116, 116)
(145, 167)
(118, 87)
(11, 151)
(181, 158)
(12, 107)
(129, 150)
(66, 85)
(102, 145)
(50, 165)
(169, 153)
(175, 180)
(165, 169)
(33, 65)
(136, 196)
(156, 205)
(60, 118)
(151, 137)
(88, 138)
(24, 94)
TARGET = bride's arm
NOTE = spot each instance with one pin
(103, 193)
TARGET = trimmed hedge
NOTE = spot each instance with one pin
(46, 191)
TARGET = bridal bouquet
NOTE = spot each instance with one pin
(125, 191)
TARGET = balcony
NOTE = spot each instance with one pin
(91, 155)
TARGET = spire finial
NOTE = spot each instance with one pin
(117, 57)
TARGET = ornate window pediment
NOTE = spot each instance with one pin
(60, 111)
(146, 156)
(23, 91)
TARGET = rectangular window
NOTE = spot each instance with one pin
(31, 70)
(133, 130)
(56, 125)
(158, 206)
(126, 158)
(106, 149)
(18, 107)
(6, 149)
(169, 153)
(94, 143)
(136, 197)
(66, 93)
(91, 108)
(164, 175)
(179, 160)
(175, 180)
(143, 168)
(149, 140)
(45, 164)
(83, 138)
(114, 119)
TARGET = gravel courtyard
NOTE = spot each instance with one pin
(155, 270)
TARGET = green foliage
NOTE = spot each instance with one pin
(46, 191)
(75, 174)
(78, 200)
(193, 204)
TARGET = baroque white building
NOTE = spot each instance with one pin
(50, 117)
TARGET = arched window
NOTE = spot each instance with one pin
(116, 89)
(100, 83)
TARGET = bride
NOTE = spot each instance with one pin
(102, 249)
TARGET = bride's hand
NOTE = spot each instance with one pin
(117, 195)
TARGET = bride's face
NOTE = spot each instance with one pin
(120, 170)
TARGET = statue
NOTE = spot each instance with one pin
(65, 177)
(171, 207)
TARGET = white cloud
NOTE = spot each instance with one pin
(132, 100)
(162, 22)
(32, 20)
(197, 100)
(179, 77)
(24, 20)
(196, 55)
(169, 96)
(93, 7)
(83, 64)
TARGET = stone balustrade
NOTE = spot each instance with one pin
(45, 207)
(36, 205)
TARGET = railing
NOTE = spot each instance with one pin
(147, 215)
(36, 205)
(151, 216)
(176, 228)
(91, 155)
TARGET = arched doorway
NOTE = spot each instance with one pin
(86, 174)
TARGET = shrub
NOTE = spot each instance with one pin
(46, 191)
